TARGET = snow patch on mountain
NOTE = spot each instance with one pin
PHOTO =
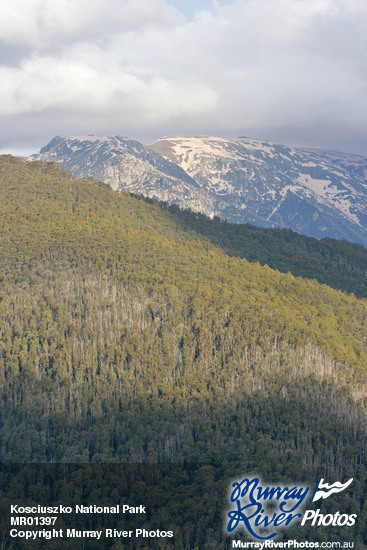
(280, 186)
(126, 165)
(243, 180)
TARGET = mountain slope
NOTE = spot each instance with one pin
(337, 263)
(208, 308)
(317, 193)
(127, 337)
(126, 165)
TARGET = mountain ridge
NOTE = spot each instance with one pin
(338, 263)
(243, 180)
(273, 184)
(124, 164)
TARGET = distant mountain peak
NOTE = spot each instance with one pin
(126, 165)
(244, 180)
(319, 193)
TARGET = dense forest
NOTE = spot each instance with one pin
(134, 333)
(337, 263)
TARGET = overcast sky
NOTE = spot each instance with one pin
(291, 71)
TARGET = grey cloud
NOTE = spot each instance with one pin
(11, 54)
(291, 71)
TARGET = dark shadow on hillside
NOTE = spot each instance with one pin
(338, 263)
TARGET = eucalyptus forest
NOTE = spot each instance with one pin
(135, 333)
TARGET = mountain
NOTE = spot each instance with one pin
(127, 335)
(126, 165)
(317, 193)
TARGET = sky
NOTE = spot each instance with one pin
(290, 71)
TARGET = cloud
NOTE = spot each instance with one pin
(291, 69)
(85, 88)
(51, 23)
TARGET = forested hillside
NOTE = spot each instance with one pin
(339, 264)
(128, 336)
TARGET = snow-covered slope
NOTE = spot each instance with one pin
(126, 165)
(318, 193)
